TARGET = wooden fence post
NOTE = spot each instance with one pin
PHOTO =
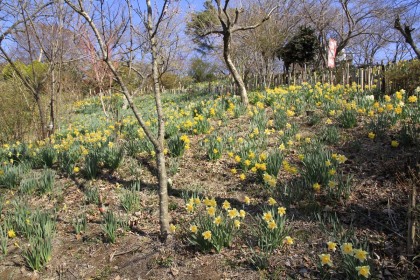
(362, 78)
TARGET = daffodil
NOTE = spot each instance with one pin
(213, 202)
(172, 228)
(217, 220)
(316, 187)
(267, 216)
(197, 201)
(226, 205)
(332, 246)
(247, 200)
(271, 201)
(412, 99)
(207, 235)
(233, 213)
(360, 254)
(332, 184)
(211, 211)
(193, 229)
(363, 271)
(347, 248)
(11, 233)
(288, 240)
(237, 223)
(281, 211)
(341, 158)
(272, 225)
(207, 202)
(189, 207)
(325, 259)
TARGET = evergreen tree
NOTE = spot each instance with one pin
(300, 49)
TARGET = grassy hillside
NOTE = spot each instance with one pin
(308, 182)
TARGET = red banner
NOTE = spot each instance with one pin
(332, 49)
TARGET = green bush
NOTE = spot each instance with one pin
(17, 112)
(404, 75)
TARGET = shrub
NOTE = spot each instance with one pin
(404, 74)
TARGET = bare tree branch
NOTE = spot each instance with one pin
(267, 17)
(406, 33)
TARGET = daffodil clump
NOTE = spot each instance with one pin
(215, 146)
(348, 107)
(271, 229)
(399, 109)
(212, 226)
(178, 144)
(345, 258)
(321, 171)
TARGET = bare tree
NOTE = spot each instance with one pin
(343, 20)
(227, 24)
(152, 25)
(255, 51)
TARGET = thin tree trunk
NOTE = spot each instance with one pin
(238, 79)
(160, 157)
(101, 97)
(412, 217)
(41, 117)
(52, 103)
(157, 142)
